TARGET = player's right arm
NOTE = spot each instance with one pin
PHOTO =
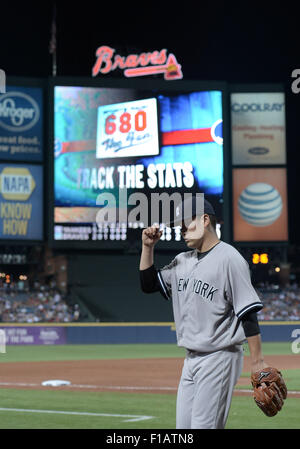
(153, 280)
(150, 278)
(150, 237)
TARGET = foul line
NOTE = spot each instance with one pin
(106, 387)
(240, 390)
(132, 418)
(117, 387)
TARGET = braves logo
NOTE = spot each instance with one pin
(152, 63)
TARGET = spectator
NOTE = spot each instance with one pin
(280, 303)
(40, 305)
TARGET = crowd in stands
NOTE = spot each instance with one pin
(47, 304)
(40, 304)
(280, 303)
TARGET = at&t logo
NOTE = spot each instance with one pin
(18, 111)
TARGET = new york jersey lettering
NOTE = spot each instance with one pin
(203, 289)
(182, 284)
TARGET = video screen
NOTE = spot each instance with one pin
(119, 151)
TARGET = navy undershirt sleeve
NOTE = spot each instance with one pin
(250, 324)
(150, 282)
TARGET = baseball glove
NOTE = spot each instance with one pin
(270, 390)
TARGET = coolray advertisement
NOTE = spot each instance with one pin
(21, 202)
(258, 128)
(21, 124)
(120, 147)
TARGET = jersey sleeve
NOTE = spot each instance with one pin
(164, 276)
(240, 290)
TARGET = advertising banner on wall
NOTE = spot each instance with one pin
(260, 204)
(258, 128)
(21, 124)
(21, 202)
(31, 335)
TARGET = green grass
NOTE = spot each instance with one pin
(89, 352)
(109, 352)
(161, 407)
(277, 348)
(244, 414)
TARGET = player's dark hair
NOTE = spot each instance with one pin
(213, 221)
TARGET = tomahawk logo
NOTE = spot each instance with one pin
(2, 82)
(263, 374)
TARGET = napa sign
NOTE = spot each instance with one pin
(21, 202)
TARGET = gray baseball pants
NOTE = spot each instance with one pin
(206, 388)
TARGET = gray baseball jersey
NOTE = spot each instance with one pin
(209, 297)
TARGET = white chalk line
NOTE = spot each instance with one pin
(106, 387)
(130, 418)
(238, 390)
(120, 387)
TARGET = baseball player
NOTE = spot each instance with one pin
(214, 306)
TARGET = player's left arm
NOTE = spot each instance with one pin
(256, 354)
(252, 333)
(269, 388)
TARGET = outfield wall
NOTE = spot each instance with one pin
(102, 333)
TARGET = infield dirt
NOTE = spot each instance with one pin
(137, 375)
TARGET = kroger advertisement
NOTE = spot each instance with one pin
(108, 139)
(258, 128)
(21, 202)
(21, 124)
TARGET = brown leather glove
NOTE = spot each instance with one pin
(270, 390)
